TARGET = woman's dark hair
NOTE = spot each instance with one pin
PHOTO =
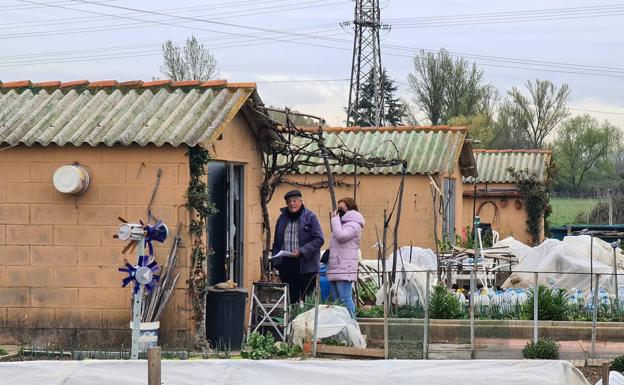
(350, 203)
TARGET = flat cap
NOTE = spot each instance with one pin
(293, 193)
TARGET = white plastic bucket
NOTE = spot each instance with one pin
(148, 335)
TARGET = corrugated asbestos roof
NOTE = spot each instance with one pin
(427, 150)
(109, 112)
(493, 165)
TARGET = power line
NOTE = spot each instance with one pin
(249, 10)
(143, 23)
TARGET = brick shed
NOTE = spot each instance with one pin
(439, 153)
(498, 201)
(58, 261)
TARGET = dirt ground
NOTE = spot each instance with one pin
(592, 373)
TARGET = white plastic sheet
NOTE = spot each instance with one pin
(568, 257)
(333, 321)
(615, 378)
(288, 372)
(516, 247)
(409, 287)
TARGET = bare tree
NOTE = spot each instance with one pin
(191, 62)
(446, 87)
(541, 112)
(429, 83)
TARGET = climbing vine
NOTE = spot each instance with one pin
(199, 204)
(536, 196)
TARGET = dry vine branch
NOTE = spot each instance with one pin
(283, 156)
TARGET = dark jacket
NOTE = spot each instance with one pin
(310, 239)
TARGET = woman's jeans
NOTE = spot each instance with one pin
(341, 291)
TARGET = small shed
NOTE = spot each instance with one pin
(58, 260)
(494, 196)
(438, 155)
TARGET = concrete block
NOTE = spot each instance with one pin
(77, 276)
(14, 297)
(101, 256)
(14, 255)
(100, 214)
(30, 317)
(53, 255)
(14, 172)
(54, 214)
(28, 276)
(77, 235)
(14, 214)
(28, 234)
(141, 173)
(52, 297)
(30, 192)
(92, 298)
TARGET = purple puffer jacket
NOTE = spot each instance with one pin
(344, 246)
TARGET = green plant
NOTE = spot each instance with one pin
(553, 305)
(263, 346)
(536, 196)
(259, 346)
(443, 304)
(3, 351)
(618, 364)
(375, 311)
(199, 204)
(544, 349)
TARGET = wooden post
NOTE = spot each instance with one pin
(317, 298)
(605, 373)
(153, 366)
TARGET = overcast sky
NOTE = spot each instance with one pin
(275, 42)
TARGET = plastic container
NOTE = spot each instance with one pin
(225, 318)
(324, 282)
(148, 335)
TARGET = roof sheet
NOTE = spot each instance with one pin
(427, 150)
(493, 165)
(110, 112)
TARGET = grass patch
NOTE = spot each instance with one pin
(565, 210)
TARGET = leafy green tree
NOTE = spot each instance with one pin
(479, 128)
(394, 110)
(583, 147)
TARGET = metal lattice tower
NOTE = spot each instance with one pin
(366, 61)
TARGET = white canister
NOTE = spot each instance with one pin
(71, 179)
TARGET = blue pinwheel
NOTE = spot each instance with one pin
(141, 274)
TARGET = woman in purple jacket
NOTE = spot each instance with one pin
(347, 224)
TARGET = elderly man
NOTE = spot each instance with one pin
(298, 231)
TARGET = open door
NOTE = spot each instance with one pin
(225, 229)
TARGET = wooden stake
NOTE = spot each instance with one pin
(605, 373)
(153, 366)
(396, 223)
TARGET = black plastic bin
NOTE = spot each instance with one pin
(225, 317)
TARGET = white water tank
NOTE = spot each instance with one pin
(71, 179)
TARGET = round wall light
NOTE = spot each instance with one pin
(71, 179)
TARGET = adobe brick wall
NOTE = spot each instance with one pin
(58, 260)
(506, 218)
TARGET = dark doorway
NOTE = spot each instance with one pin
(225, 229)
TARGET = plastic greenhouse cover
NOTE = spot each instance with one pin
(333, 321)
(571, 258)
(301, 372)
(411, 279)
